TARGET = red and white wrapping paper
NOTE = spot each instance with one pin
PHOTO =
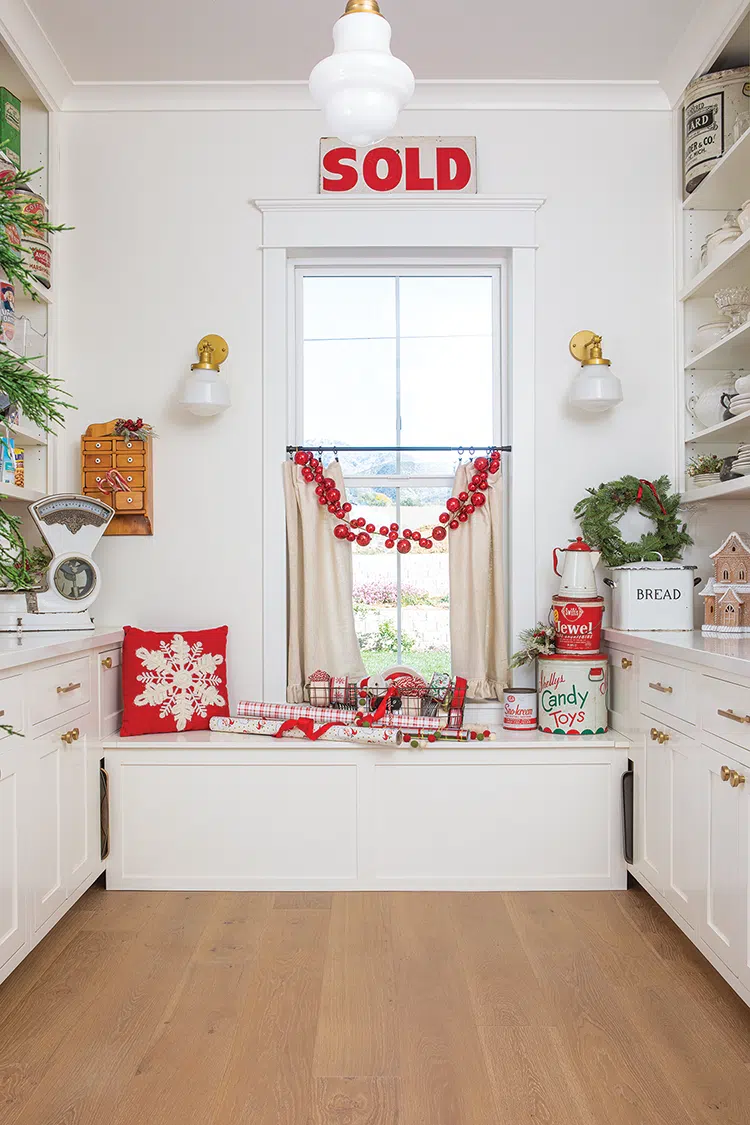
(252, 709)
(338, 733)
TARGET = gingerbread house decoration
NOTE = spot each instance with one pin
(727, 595)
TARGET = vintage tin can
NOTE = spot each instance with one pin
(572, 693)
(519, 709)
(34, 209)
(7, 312)
(578, 624)
(38, 257)
(712, 104)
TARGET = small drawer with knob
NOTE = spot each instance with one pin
(129, 460)
(725, 710)
(668, 688)
(129, 501)
(103, 445)
(97, 461)
(58, 688)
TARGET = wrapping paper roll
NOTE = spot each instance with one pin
(252, 709)
(337, 733)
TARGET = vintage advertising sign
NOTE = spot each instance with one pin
(399, 164)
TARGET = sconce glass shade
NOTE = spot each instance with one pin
(596, 389)
(204, 392)
(361, 87)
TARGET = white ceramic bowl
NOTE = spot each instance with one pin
(742, 384)
(709, 334)
(738, 468)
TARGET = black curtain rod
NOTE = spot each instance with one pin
(397, 448)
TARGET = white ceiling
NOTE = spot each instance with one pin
(243, 40)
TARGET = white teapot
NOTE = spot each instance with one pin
(706, 408)
(577, 578)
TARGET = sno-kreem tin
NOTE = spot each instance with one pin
(712, 104)
(519, 711)
(572, 693)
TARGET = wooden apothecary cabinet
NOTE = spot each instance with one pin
(104, 454)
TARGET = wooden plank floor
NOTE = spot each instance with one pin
(149, 1008)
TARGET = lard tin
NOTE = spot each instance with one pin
(712, 105)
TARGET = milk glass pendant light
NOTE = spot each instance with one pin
(596, 388)
(361, 87)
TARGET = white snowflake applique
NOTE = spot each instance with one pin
(180, 679)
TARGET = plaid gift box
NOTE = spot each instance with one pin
(319, 688)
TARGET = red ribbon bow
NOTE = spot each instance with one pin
(307, 726)
(639, 494)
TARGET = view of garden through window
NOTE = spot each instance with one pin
(399, 360)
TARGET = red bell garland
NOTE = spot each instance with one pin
(459, 508)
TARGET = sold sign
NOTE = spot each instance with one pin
(399, 164)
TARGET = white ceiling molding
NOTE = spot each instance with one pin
(34, 53)
(530, 94)
(707, 33)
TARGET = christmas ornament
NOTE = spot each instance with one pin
(459, 508)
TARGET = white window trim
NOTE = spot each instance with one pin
(471, 229)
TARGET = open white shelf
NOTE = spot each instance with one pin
(728, 184)
(722, 490)
(734, 429)
(12, 492)
(731, 353)
(44, 294)
(733, 270)
(26, 433)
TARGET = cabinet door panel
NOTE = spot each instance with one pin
(12, 900)
(685, 871)
(49, 890)
(651, 806)
(724, 918)
(81, 799)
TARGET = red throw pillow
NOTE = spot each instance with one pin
(173, 681)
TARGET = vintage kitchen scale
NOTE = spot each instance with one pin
(71, 526)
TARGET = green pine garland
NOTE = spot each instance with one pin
(12, 214)
(601, 510)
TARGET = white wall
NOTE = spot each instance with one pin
(165, 249)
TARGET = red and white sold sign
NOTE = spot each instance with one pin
(399, 164)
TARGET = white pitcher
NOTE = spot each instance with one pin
(577, 578)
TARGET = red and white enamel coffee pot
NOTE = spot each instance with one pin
(577, 578)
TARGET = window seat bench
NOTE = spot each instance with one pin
(214, 811)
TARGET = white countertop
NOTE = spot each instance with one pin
(506, 740)
(722, 652)
(27, 648)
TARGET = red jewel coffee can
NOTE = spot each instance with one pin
(578, 624)
(520, 709)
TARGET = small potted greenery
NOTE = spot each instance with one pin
(705, 469)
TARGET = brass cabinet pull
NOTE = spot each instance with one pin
(67, 737)
(107, 662)
(654, 734)
(736, 779)
(2, 714)
(726, 773)
(65, 690)
(661, 687)
(729, 714)
(625, 663)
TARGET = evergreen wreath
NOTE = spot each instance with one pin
(600, 512)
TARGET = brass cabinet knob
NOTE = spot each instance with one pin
(626, 663)
(67, 737)
(725, 773)
(107, 662)
(663, 737)
(654, 734)
(736, 779)
(75, 734)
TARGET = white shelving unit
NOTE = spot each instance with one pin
(38, 307)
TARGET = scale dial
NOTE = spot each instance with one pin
(74, 579)
(96, 508)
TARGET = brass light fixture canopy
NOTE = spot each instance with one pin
(369, 6)
(586, 347)
(212, 351)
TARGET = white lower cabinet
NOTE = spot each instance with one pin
(13, 906)
(650, 802)
(724, 917)
(50, 840)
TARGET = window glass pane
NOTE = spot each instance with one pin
(446, 396)
(347, 308)
(446, 306)
(349, 393)
(375, 592)
(425, 602)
